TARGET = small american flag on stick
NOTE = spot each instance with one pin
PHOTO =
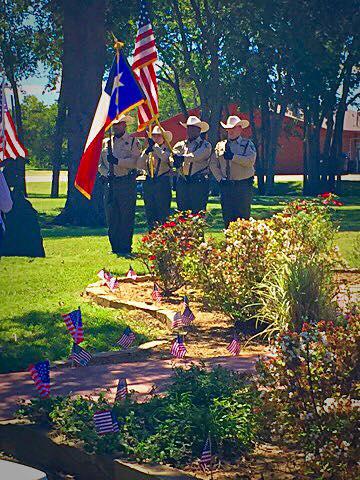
(105, 422)
(178, 348)
(73, 322)
(80, 356)
(156, 293)
(145, 56)
(121, 390)
(234, 346)
(131, 273)
(206, 455)
(127, 338)
(40, 373)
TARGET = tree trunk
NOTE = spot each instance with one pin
(259, 166)
(276, 121)
(336, 145)
(58, 142)
(265, 137)
(326, 148)
(83, 66)
(18, 120)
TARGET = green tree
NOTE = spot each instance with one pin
(39, 123)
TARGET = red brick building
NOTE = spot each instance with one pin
(290, 154)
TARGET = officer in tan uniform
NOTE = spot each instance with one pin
(155, 161)
(191, 158)
(118, 164)
(233, 166)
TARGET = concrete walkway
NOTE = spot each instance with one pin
(141, 377)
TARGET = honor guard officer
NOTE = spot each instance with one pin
(191, 158)
(232, 165)
(155, 160)
(118, 163)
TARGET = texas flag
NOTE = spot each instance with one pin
(121, 94)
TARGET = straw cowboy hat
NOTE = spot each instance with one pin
(159, 131)
(124, 118)
(234, 121)
(193, 121)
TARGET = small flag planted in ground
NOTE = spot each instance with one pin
(156, 293)
(178, 348)
(73, 322)
(80, 356)
(127, 338)
(187, 316)
(40, 373)
(177, 321)
(183, 319)
(108, 279)
(205, 459)
(186, 300)
(234, 346)
(105, 422)
(131, 274)
(122, 390)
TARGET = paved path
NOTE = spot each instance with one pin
(141, 376)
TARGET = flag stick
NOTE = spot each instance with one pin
(3, 117)
(211, 461)
(151, 156)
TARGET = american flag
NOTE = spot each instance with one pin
(108, 279)
(105, 422)
(10, 145)
(234, 346)
(205, 459)
(145, 56)
(80, 356)
(127, 338)
(183, 319)
(73, 323)
(121, 390)
(178, 348)
(156, 293)
(131, 273)
(187, 316)
(40, 373)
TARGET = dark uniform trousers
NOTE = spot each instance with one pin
(192, 193)
(157, 198)
(120, 212)
(236, 198)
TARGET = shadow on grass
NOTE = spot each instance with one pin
(42, 335)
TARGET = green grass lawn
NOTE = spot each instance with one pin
(34, 292)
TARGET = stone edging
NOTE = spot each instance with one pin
(32, 445)
(104, 297)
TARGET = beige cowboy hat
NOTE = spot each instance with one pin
(234, 121)
(193, 121)
(159, 131)
(128, 119)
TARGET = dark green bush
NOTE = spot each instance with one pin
(168, 429)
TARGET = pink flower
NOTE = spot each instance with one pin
(325, 195)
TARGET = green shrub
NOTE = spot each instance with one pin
(167, 429)
(277, 271)
(311, 390)
(163, 250)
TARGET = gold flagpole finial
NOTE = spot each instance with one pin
(117, 44)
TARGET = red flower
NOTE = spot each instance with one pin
(152, 257)
(182, 219)
(325, 195)
(172, 224)
(145, 239)
(337, 203)
(305, 327)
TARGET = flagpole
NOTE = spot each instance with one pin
(3, 117)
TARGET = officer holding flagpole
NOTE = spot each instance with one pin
(155, 161)
(191, 158)
(233, 166)
(118, 164)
